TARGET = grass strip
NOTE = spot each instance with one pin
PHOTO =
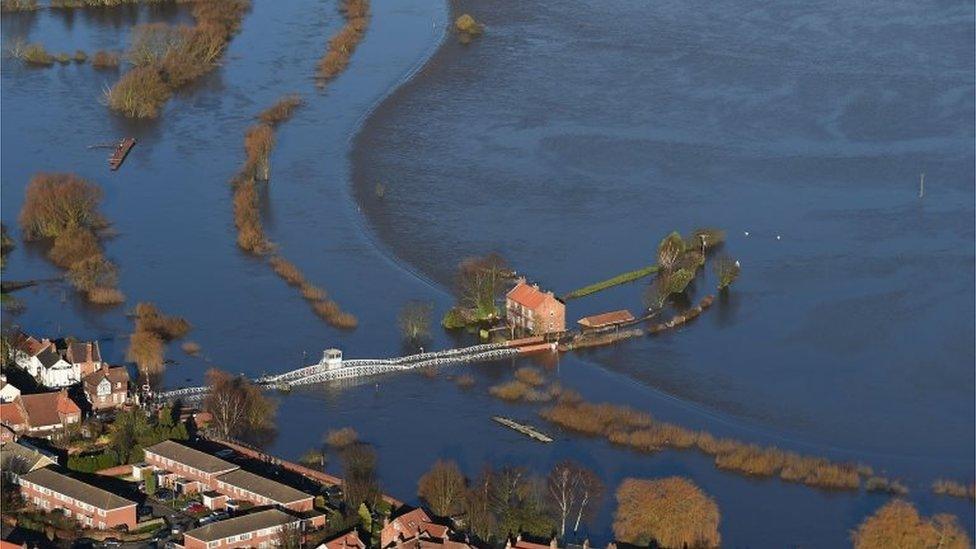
(610, 282)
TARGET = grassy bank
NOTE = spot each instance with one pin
(259, 141)
(611, 282)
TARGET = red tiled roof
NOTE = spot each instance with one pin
(118, 374)
(606, 319)
(414, 524)
(83, 352)
(46, 409)
(350, 539)
(526, 295)
(12, 414)
(32, 346)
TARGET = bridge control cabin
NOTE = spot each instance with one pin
(331, 359)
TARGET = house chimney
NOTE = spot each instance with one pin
(518, 538)
(508, 542)
(553, 544)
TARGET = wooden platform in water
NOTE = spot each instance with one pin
(526, 430)
(120, 152)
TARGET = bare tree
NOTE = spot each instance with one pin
(237, 405)
(477, 506)
(669, 251)
(479, 283)
(289, 536)
(442, 488)
(574, 490)
(359, 484)
(414, 321)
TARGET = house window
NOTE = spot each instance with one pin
(213, 544)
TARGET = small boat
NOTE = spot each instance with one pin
(120, 152)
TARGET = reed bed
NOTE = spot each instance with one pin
(344, 42)
(62, 208)
(191, 348)
(35, 54)
(167, 57)
(18, 5)
(634, 429)
(515, 390)
(259, 141)
(530, 376)
(167, 328)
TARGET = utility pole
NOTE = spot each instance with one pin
(921, 185)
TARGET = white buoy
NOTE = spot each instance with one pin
(737, 263)
(777, 237)
(747, 233)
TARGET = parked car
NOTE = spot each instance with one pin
(112, 543)
(225, 453)
(194, 507)
(165, 494)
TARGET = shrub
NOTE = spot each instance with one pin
(140, 93)
(312, 292)
(340, 438)
(344, 42)
(93, 272)
(146, 349)
(258, 142)
(281, 111)
(105, 296)
(73, 245)
(727, 270)
(952, 488)
(882, 484)
(35, 54)
(898, 524)
(465, 381)
(105, 60)
(80, 56)
(191, 348)
(64, 58)
(167, 328)
(55, 202)
(18, 5)
(287, 271)
(671, 512)
(530, 376)
(467, 28)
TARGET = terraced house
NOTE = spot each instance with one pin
(91, 506)
(262, 529)
(190, 470)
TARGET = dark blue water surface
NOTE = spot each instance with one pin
(570, 137)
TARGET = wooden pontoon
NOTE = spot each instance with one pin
(120, 152)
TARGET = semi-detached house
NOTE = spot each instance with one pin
(91, 506)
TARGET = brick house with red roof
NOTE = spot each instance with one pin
(531, 310)
(107, 388)
(40, 414)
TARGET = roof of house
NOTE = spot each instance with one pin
(240, 525)
(189, 456)
(118, 374)
(528, 295)
(83, 351)
(347, 540)
(72, 487)
(46, 409)
(262, 486)
(4, 384)
(49, 356)
(32, 346)
(606, 319)
(13, 413)
(413, 524)
(32, 458)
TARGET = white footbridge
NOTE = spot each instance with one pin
(332, 367)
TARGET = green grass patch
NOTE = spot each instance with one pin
(611, 282)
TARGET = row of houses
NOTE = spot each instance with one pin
(57, 363)
(43, 414)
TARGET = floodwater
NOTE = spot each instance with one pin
(570, 137)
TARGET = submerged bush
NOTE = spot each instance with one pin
(952, 488)
(73, 245)
(56, 202)
(80, 56)
(467, 27)
(344, 42)
(281, 111)
(140, 93)
(106, 296)
(105, 60)
(35, 54)
(167, 328)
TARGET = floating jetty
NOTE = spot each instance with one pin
(120, 152)
(526, 430)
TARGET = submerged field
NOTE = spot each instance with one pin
(849, 337)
